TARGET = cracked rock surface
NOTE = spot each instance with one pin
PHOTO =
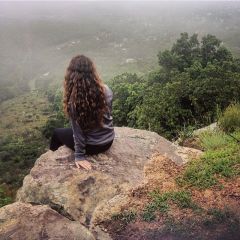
(24, 221)
(79, 195)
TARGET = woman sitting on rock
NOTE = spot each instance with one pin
(88, 105)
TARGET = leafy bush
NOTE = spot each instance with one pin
(230, 120)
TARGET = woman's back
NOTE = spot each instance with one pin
(87, 103)
(96, 136)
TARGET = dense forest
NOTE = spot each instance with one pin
(196, 80)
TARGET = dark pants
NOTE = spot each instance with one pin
(64, 136)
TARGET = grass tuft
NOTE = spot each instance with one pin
(160, 202)
(125, 216)
(221, 159)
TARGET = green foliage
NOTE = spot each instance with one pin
(182, 199)
(182, 54)
(148, 213)
(196, 81)
(221, 159)
(17, 156)
(163, 109)
(128, 92)
(4, 199)
(230, 120)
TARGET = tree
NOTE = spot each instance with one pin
(209, 48)
(194, 81)
(182, 54)
(127, 93)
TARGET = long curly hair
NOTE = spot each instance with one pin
(84, 98)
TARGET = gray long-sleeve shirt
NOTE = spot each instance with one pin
(97, 136)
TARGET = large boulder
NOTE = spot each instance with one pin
(80, 194)
(24, 221)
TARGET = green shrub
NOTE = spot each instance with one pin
(230, 120)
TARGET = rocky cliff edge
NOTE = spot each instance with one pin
(59, 201)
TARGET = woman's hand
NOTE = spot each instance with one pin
(84, 163)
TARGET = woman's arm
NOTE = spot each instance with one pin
(79, 141)
(79, 145)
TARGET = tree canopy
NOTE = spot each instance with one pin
(196, 79)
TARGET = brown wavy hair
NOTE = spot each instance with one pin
(84, 93)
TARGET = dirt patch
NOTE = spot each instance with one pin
(212, 213)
